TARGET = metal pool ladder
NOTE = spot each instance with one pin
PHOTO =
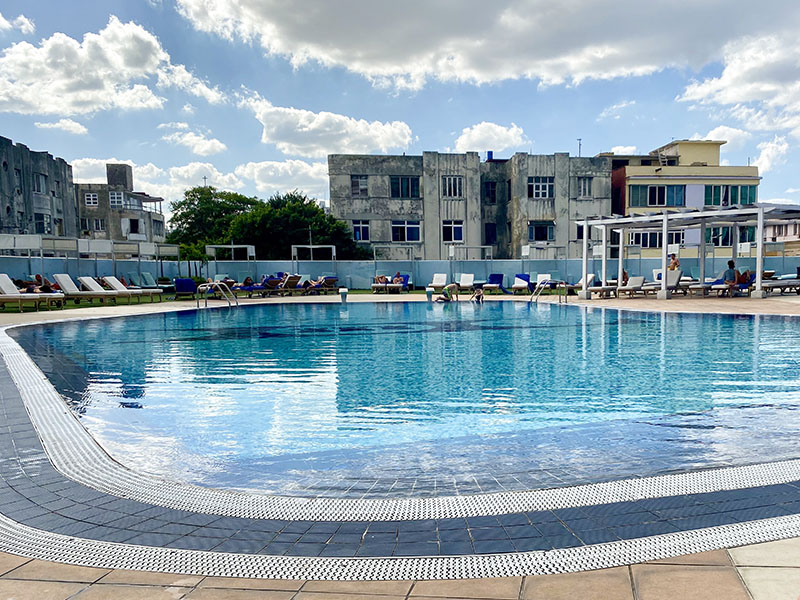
(216, 286)
(540, 287)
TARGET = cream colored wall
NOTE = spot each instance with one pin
(681, 175)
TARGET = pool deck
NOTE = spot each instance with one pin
(760, 571)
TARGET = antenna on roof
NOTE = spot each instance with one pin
(579, 147)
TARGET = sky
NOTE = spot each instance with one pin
(254, 94)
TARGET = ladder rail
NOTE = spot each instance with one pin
(546, 283)
(216, 286)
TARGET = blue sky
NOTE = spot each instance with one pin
(254, 94)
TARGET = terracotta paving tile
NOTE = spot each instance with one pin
(772, 583)
(148, 578)
(132, 592)
(605, 584)
(712, 558)
(782, 553)
(37, 590)
(505, 588)
(397, 588)
(43, 570)
(244, 583)
(668, 582)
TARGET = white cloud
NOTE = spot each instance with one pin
(773, 153)
(301, 132)
(21, 23)
(272, 177)
(119, 67)
(736, 138)
(197, 143)
(490, 136)
(192, 174)
(614, 110)
(403, 44)
(173, 125)
(624, 149)
(67, 125)
(188, 108)
(791, 190)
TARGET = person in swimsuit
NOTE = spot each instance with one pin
(449, 293)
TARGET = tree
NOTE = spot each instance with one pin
(205, 214)
(284, 220)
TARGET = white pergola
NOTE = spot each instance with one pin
(757, 215)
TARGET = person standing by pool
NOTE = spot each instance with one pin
(674, 263)
(449, 293)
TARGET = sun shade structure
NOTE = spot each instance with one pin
(211, 250)
(757, 215)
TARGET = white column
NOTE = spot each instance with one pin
(664, 293)
(620, 261)
(702, 256)
(758, 292)
(584, 294)
(604, 262)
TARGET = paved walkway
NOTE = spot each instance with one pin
(770, 570)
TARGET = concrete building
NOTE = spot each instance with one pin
(437, 205)
(36, 192)
(113, 211)
(683, 173)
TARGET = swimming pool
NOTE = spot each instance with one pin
(401, 399)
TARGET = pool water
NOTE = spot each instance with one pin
(315, 397)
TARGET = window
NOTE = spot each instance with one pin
(452, 186)
(452, 231)
(657, 195)
(405, 231)
(718, 236)
(584, 187)
(404, 187)
(541, 231)
(490, 191)
(40, 183)
(361, 231)
(84, 224)
(133, 226)
(541, 187)
(652, 239)
(489, 233)
(358, 186)
(42, 223)
(725, 195)
(158, 228)
(115, 199)
(17, 178)
(580, 232)
(748, 234)
(90, 199)
(99, 224)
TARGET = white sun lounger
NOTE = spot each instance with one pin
(467, 281)
(9, 294)
(439, 281)
(634, 285)
(137, 293)
(71, 290)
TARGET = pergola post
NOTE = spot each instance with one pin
(758, 292)
(664, 293)
(702, 252)
(604, 261)
(620, 265)
(585, 294)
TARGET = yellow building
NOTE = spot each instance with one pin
(683, 173)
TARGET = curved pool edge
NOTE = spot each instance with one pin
(62, 433)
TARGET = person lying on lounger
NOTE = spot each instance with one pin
(449, 293)
(381, 279)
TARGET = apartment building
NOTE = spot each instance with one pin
(442, 205)
(114, 211)
(36, 192)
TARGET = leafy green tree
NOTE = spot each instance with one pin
(286, 220)
(204, 215)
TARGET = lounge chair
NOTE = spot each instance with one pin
(574, 287)
(604, 291)
(720, 288)
(439, 281)
(290, 286)
(466, 282)
(149, 283)
(673, 283)
(782, 285)
(90, 284)
(138, 293)
(494, 284)
(185, 286)
(634, 285)
(9, 294)
(398, 287)
(378, 287)
(71, 291)
(522, 283)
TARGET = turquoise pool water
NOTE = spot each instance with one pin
(256, 397)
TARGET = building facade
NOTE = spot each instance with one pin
(36, 192)
(439, 205)
(683, 173)
(113, 211)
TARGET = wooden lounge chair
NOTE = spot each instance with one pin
(71, 291)
(290, 286)
(138, 293)
(9, 294)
